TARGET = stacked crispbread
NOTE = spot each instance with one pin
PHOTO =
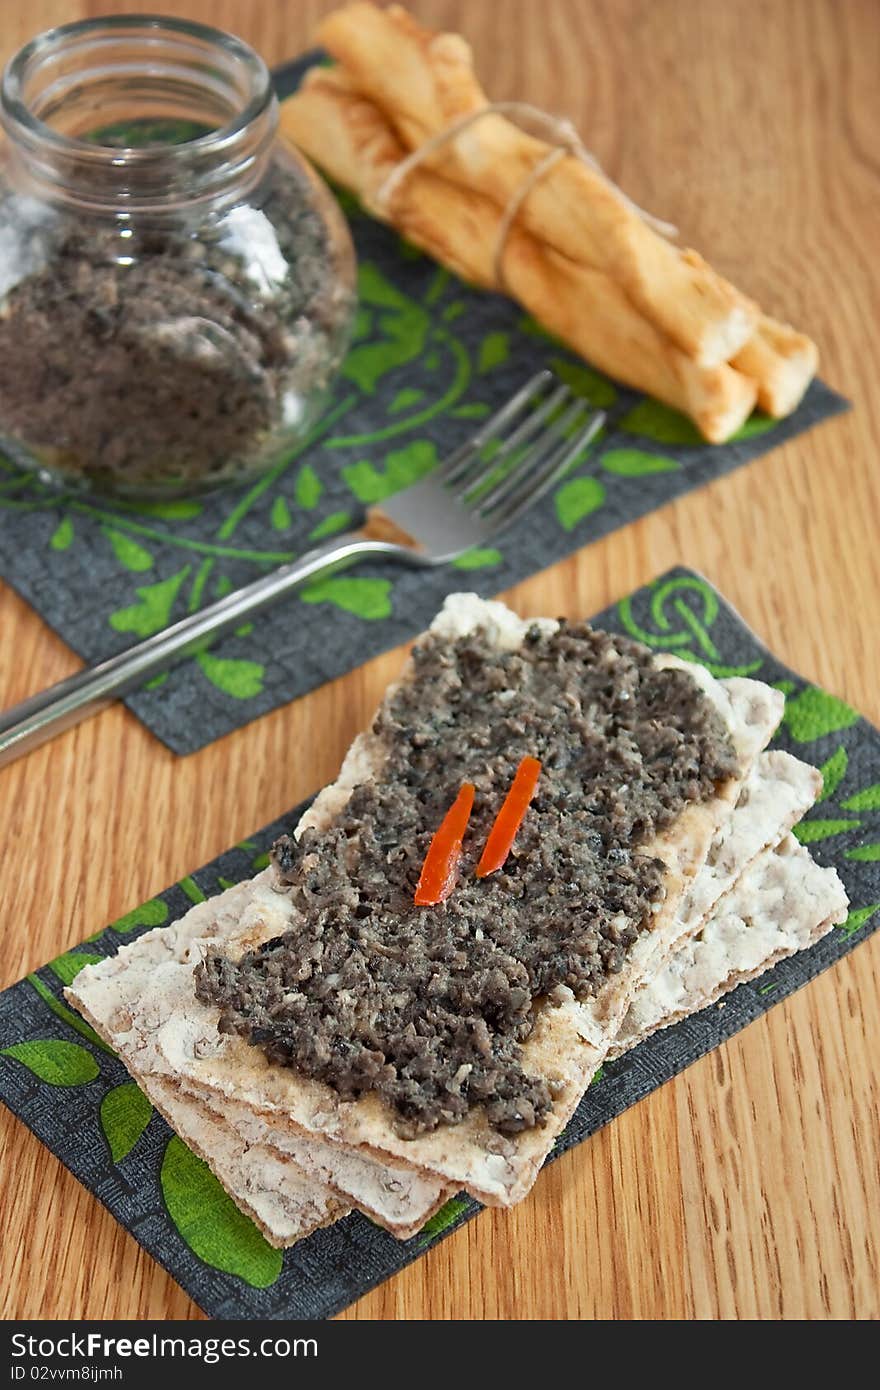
(740, 893)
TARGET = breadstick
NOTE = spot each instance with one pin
(351, 139)
(782, 361)
(425, 81)
(592, 315)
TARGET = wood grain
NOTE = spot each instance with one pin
(747, 1187)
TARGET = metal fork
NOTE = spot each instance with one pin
(467, 500)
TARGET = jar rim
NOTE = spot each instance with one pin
(16, 111)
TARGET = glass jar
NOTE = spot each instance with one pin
(177, 286)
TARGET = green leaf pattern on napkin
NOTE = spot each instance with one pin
(814, 713)
(62, 536)
(73, 1020)
(864, 854)
(125, 1113)
(151, 914)
(402, 468)
(410, 395)
(494, 351)
(210, 1223)
(336, 521)
(153, 611)
(307, 488)
(279, 516)
(857, 919)
(366, 598)
(682, 610)
(236, 677)
(578, 499)
(68, 966)
(402, 325)
(128, 551)
(55, 1062)
(585, 381)
(442, 1220)
(866, 800)
(635, 463)
(833, 771)
(653, 420)
(478, 559)
(810, 832)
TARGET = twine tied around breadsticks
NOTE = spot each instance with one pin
(555, 130)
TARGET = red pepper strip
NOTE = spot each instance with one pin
(440, 869)
(510, 817)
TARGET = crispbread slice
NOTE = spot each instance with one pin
(277, 1195)
(775, 797)
(122, 1009)
(778, 791)
(399, 1199)
(569, 1039)
(782, 903)
(287, 1198)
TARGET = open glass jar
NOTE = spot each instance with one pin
(177, 286)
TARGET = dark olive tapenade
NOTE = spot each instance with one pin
(429, 1006)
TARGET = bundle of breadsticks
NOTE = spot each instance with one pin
(402, 122)
(740, 894)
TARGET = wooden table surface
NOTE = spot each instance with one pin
(747, 1187)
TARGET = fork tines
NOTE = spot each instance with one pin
(537, 436)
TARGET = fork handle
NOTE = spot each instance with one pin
(25, 726)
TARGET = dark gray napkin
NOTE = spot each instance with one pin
(79, 1100)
